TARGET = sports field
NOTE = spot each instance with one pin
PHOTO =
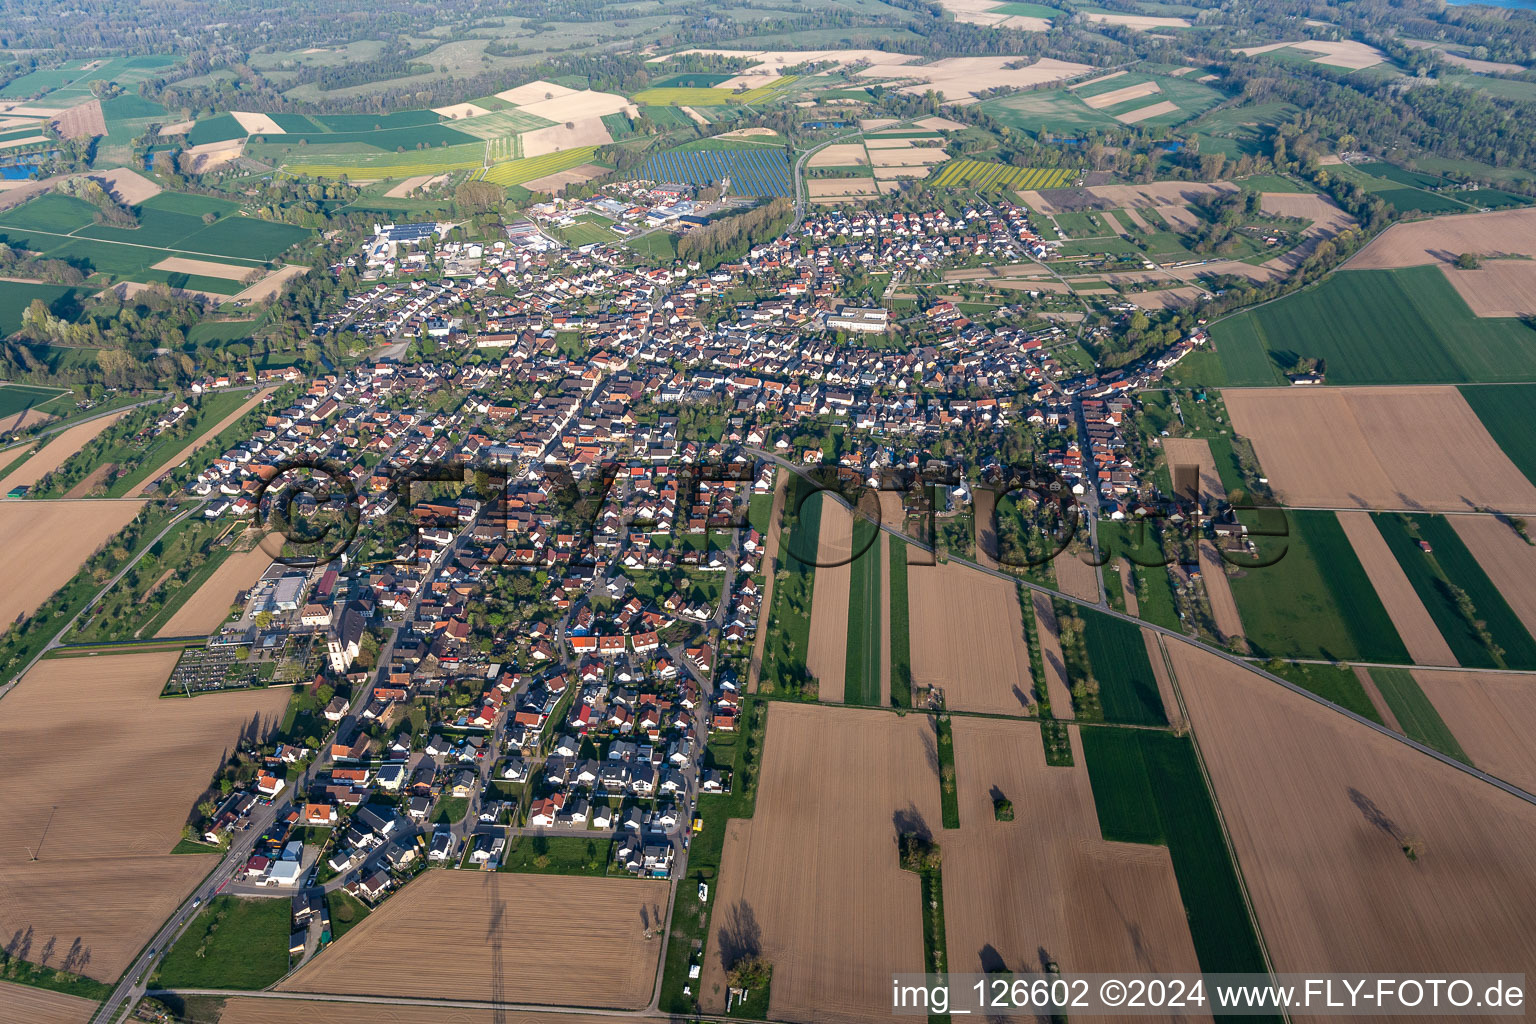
(981, 174)
(1406, 326)
(1315, 600)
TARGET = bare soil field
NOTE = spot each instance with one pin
(10, 455)
(40, 1006)
(212, 154)
(1491, 714)
(1507, 559)
(257, 123)
(534, 92)
(1335, 53)
(26, 140)
(1075, 577)
(1046, 880)
(103, 831)
(46, 543)
(207, 609)
(940, 124)
(1218, 590)
(256, 1010)
(1127, 585)
(270, 285)
(1057, 687)
(127, 186)
(207, 268)
(697, 117)
(56, 452)
(1441, 240)
(1142, 113)
(834, 187)
(843, 154)
(1140, 22)
(588, 132)
(986, 12)
(1319, 804)
(1195, 451)
(1378, 699)
(559, 939)
(555, 183)
(826, 657)
(967, 638)
(984, 503)
(83, 121)
(410, 185)
(1398, 447)
(813, 879)
(885, 176)
(1326, 217)
(576, 106)
(202, 439)
(97, 478)
(1165, 690)
(1498, 287)
(960, 78)
(920, 157)
(457, 111)
(1165, 298)
(1130, 92)
(1420, 634)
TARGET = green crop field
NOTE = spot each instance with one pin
(515, 172)
(1064, 111)
(1505, 410)
(16, 397)
(221, 128)
(1315, 601)
(1415, 713)
(16, 296)
(1118, 656)
(1147, 787)
(980, 174)
(1336, 684)
(59, 214)
(691, 80)
(861, 675)
(1381, 327)
(709, 97)
(1441, 576)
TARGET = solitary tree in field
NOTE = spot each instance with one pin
(1469, 261)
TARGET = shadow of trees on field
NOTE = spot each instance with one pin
(741, 937)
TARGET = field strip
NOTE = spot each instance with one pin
(770, 569)
(966, 631)
(883, 649)
(1143, 113)
(1074, 576)
(1218, 590)
(1128, 587)
(1172, 708)
(1419, 633)
(984, 504)
(292, 1008)
(206, 609)
(1492, 715)
(1378, 699)
(58, 451)
(1507, 559)
(131, 245)
(1101, 100)
(204, 438)
(1407, 859)
(1056, 685)
(826, 655)
(204, 268)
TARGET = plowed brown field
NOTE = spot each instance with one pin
(1046, 882)
(255, 1010)
(558, 939)
(45, 544)
(1507, 559)
(1056, 685)
(1492, 715)
(102, 831)
(1441, 240)
(967, 637)
(40, 1006)
(1401, 447)
(1420, 634)
(812, 881)
(1320, 808)
(827, 656)
(207, 609)
(56, 452)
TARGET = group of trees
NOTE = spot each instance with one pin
(731, 237)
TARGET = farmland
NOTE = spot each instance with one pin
(1118, 657)
(1503, 410)
(1414, 711)
(1490, 714)
(1405, 447)
(1405, 326)
(104, 871)
(981, 174)
(1315, 600)
(47, 542)
(1507, 558)
(758, 171)
(684, 96)
(576, 940)
(828, 652)
(1132, 98)
(1046, 880)
(967, 639)
(1406, 860)
(866, 660)
(516, 172)
(833, 934)
(1147, 788)
(1474, 618)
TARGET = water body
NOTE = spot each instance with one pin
(1525, 5)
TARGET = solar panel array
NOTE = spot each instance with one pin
(760, 171)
